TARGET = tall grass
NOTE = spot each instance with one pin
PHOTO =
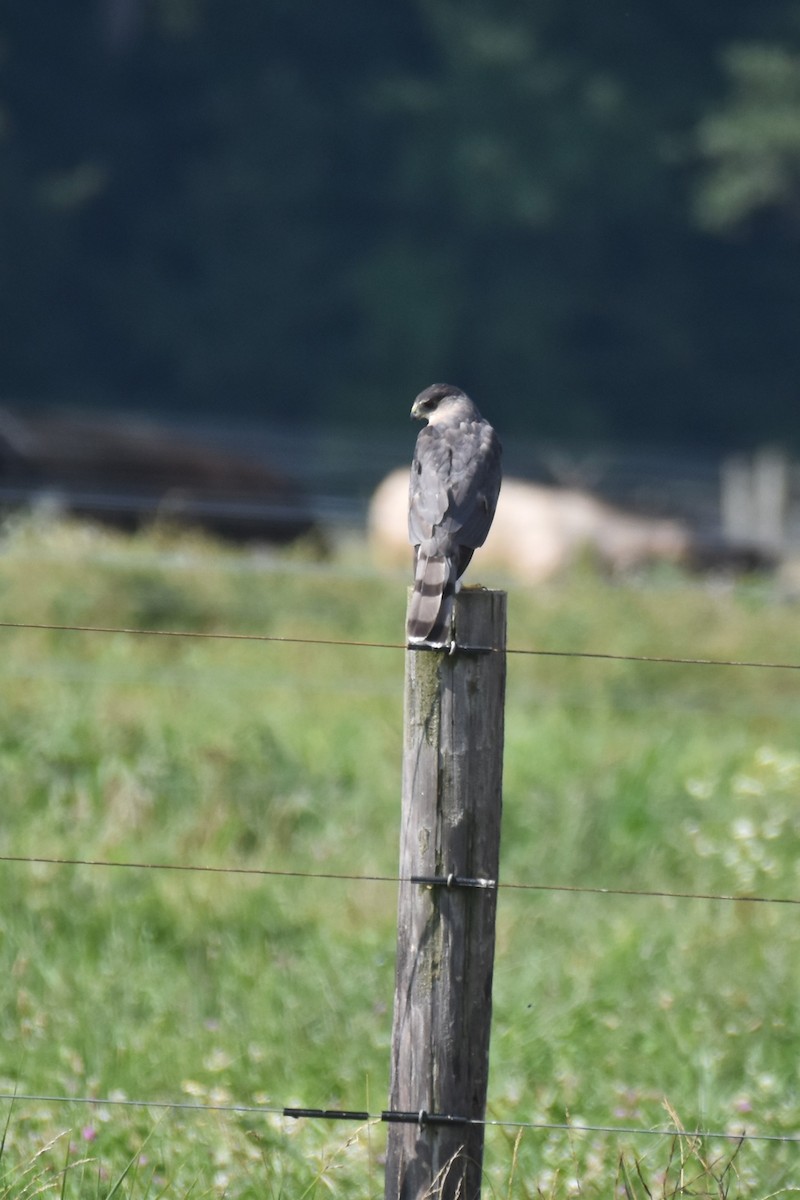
(222, 989)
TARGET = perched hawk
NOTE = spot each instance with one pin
(455, 481)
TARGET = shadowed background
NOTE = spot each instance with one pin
(587, 218)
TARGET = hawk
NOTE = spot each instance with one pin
(455, 482)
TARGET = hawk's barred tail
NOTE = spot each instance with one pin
(430, 610)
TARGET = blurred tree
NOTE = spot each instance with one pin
(747, 191)
(545, 252)
(751, 143)
(292, 208)
(182, 194)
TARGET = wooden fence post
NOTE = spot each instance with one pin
(452, 798)
(755, 496)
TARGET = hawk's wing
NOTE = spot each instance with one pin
(455, 482)
(428, 497)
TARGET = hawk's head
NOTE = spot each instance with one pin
(439, 398)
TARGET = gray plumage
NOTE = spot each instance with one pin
(455, 482)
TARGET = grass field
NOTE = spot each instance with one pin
(217, 989)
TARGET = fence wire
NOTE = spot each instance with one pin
(215, 635)
(452, 881)
(389, 1116)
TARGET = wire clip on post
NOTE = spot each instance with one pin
(422, 1118)
(451, 648)
(452, 881)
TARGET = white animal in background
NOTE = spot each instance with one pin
(538, 531)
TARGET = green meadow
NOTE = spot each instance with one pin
(231, 993)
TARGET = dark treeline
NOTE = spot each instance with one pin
(586, 214)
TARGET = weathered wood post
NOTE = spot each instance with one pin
(450, 841)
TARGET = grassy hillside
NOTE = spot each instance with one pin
(225, 989)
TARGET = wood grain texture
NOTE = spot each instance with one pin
(452, 800)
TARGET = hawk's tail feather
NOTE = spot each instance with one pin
(431, 607)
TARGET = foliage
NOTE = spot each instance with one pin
(753, 144)
(297, 208)
(217, 989)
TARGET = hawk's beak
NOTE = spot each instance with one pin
(416, 415)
